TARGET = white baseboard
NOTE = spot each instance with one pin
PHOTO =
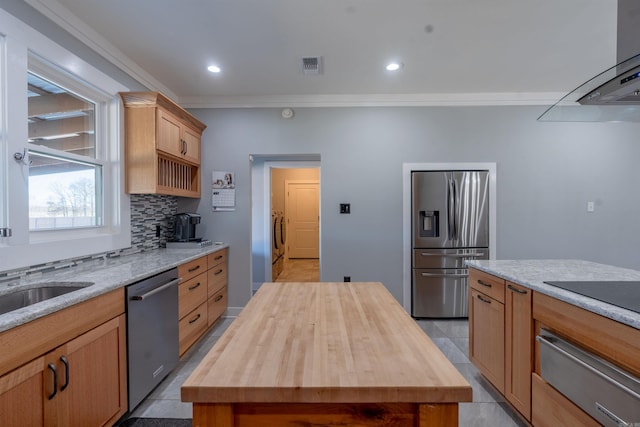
(232, 312)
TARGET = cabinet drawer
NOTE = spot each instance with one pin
(487, 284)
(192, 326)
(552, 409)
(191, 294)
(218, 257)
(191, 269)
(217, 278)
(217, 305)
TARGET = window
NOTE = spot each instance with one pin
(61, 184)
(65, 175)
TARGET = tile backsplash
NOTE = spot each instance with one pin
(150, 213)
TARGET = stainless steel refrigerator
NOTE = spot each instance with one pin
(450, 224)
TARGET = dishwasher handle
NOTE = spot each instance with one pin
(155, 290)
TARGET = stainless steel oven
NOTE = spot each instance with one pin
(152, 333)
(605, 391)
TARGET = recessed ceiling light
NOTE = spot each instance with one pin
(214, 68)
(394, 66)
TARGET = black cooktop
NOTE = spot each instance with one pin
(625, 294)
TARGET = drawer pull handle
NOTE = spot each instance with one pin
(218, 298)
(197, 285)
(191, 270)
(484, 300)
(218, 272)
(65, 362)
(219, 257)
(195, 319)
(488, 285)
(53, 369)
(514, 289)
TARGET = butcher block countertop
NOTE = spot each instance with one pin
(324, 343)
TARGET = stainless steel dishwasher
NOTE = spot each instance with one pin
(603, 390)
(152, 333)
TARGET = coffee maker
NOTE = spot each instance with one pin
(185, 227)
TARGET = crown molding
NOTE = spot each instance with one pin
(62, 17)
(373, 100)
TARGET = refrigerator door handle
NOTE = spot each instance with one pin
(469, 255)
(461, 276)
(451, 202)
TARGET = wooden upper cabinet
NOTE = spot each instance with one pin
(176, 139)
(162, 146)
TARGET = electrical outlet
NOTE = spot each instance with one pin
(347, 278)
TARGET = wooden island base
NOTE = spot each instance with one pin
(325, 354)
(329, 414)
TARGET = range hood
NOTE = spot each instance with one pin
(613, 95)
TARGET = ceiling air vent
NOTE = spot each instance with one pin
(312, 65)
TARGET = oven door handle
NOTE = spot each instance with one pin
(155, 290)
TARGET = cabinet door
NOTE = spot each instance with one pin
(191, 140)
(95, 371)
(168, 138)
(486, 337)
(518, 347)
(22, 395)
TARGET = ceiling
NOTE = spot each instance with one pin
(452, 51)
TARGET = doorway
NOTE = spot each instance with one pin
(264, 188)
(295, 203)
(302, 248)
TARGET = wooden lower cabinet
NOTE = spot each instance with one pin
(501, 336)
(80, 383)
(552, 409)
(217, 305)
(518, 347)
(192, 326)
(486, 337)
(22, 398)
(608, 339)
(202, 296)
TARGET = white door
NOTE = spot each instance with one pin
(302, 206)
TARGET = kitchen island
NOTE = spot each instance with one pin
(534, 340)
(325, 354)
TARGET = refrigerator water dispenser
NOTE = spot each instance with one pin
(430, 224)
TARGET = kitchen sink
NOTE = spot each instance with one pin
(42, 292)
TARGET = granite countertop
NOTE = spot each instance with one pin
(107, 274)
(533, 273)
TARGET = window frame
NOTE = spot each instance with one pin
(24, 49)
(51, 73)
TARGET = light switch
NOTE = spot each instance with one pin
(345, 208)
(591, 207)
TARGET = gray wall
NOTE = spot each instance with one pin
(546, 173)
